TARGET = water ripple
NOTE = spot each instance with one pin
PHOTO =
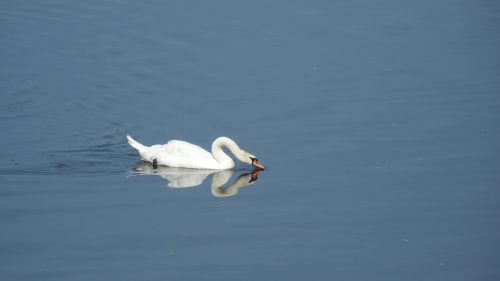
(102, 158)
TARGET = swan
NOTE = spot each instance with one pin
(181, 154)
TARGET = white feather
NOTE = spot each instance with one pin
(176, 153)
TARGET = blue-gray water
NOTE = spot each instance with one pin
(378, 120)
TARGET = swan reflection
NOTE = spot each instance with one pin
(182, 177)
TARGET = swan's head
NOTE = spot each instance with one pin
(248, 158)
(254, 162)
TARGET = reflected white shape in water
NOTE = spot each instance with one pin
(183, 177)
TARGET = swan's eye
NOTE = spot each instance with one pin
(254, 159)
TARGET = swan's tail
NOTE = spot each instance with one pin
(136, 144)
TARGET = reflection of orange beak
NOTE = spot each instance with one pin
(257, 164)
(255, 175)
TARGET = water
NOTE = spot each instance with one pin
(378, 122)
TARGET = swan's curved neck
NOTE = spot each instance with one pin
(219, 154)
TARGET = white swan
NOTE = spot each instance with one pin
(183, 154)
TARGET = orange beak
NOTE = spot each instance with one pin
(257, 164)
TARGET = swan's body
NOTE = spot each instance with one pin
(183, 154)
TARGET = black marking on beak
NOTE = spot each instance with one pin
(256, 163)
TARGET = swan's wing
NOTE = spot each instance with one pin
(186, 150)
(177, 153)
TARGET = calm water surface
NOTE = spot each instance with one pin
(378, 122)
